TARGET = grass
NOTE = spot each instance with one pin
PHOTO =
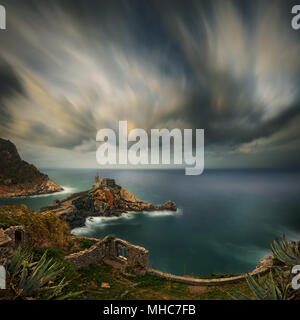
(85, 243)
(122, 287)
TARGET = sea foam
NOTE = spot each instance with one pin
(93, 223)
(67, 190)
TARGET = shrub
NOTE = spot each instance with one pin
(85, 243)
(111, 236)
(48, 230)
(45, 229)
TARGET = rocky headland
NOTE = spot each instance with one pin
(19, 178)
(106, 199)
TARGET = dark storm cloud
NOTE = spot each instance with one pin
(73, 67)
(237, 60)
(10, 85)
(10, 82)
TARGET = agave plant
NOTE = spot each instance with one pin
(29, 279)
(20, 259)
(287, 252)
(271, 288)
(277, 287)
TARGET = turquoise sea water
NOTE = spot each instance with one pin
(225, 221)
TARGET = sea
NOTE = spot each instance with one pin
(225, 222)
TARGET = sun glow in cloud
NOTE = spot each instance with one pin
(69, 69)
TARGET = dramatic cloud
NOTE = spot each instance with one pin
(69, 68)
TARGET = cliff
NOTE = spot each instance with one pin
(19, 178)
(106, 199)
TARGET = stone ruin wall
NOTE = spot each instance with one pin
(136, 258)
(11, 232)
(7, 249)
(206, 282)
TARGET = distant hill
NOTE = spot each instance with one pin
(19, 178)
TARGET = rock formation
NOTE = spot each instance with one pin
(105, 199)
(19, 178)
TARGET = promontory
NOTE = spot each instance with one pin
(19, 178)
(105, 198)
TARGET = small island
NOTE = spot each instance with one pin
(19, 178)
(106, 199)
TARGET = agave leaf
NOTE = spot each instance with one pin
(238, 295)
(34, 276)
(256, 288)
(286, 252)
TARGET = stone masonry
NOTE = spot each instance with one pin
(129, 257)
(10, 239)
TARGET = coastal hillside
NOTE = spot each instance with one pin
(19, 178)
(49, 235)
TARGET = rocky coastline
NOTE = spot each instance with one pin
(106, 199)
(41, 187)
(19, 178)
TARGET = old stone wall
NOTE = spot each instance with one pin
(126, 254)
(15, 236)
(206, 282)
(134, 257)
(18, 236)
(92, 255)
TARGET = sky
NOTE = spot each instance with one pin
(70, 68)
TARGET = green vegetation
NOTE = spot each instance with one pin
(89, 281)
(277, 286)
(111, 236)
(41, 279)
(46, 229)
(85, 243)
(218, 276)
(286, 252)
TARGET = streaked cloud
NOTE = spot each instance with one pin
(69, 68)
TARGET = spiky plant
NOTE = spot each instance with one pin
(20, 258)
(275, 287)
(286, 251)
(34, 279)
